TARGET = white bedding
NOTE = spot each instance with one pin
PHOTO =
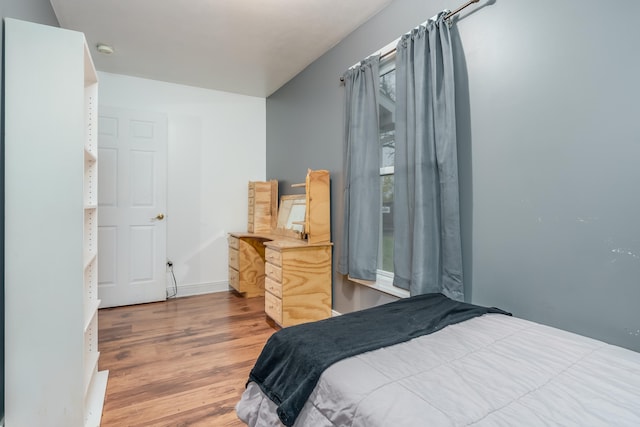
(492, 370)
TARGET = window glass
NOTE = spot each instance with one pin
(386, 239)
(387, 119)
(387, 115)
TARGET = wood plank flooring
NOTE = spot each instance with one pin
(182, 362)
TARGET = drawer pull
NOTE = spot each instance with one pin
(274, 257)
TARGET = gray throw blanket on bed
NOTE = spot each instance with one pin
(293, 358)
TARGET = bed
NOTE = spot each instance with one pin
(490, 369)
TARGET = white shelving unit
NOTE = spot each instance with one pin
(95, 382)
(51, 228)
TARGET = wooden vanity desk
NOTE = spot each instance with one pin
(292, 273)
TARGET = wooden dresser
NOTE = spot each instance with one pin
(297, 282)
(291, 269)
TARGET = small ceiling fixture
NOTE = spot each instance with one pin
(104, 48)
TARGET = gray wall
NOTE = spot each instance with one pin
(549, 147)
(39, 11)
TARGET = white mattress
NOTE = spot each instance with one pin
(492, 370)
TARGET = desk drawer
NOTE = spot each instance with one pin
(273, 256)
(273, 272)
(273, 307)
(234, 279)
(272, 286)
(234, 259)
(234, 242)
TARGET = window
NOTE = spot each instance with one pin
(387, 122)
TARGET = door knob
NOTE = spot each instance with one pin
(159, 217)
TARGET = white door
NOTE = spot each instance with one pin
(132, 199)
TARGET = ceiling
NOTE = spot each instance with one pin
(249, 47)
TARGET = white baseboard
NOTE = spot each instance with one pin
(335, 313)
(200, 288)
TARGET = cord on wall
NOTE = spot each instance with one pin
(175, 282)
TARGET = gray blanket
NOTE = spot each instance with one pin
(293, 358)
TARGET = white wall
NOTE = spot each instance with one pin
(217, 143)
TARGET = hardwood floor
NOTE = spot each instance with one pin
(183, 362)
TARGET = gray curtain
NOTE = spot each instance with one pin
(361, 193)
(427, 249)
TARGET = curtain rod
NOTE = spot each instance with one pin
(461, 8)
(390, 48)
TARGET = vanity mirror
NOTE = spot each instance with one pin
(291, 215)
